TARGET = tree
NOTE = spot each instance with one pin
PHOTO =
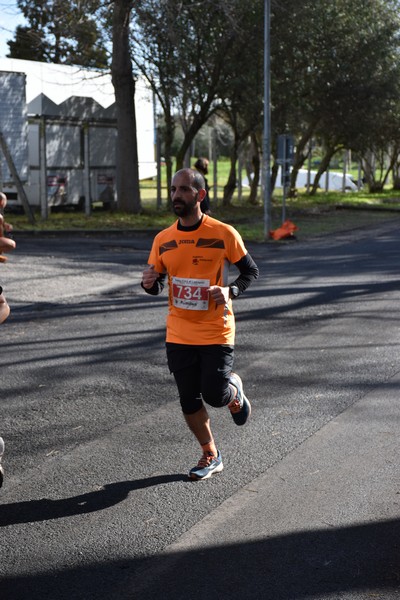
(60, 32)
(242, 102)
(294, 27)
(361, 106)
(28, 44)
(128, 190)
(335, 73)
(182, 48)
(211, 33)
(153, 44)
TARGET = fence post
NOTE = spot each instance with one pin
(17, 180)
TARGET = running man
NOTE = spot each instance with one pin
(195, 254)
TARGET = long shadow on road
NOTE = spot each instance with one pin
(109, 495)
(358, 561)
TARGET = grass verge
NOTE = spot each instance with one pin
(314, 215)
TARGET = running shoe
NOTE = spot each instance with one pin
(240, 407)
(207, 465)
(1, 454)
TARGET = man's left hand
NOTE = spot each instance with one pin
(219, 294)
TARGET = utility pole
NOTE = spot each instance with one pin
(267, 122)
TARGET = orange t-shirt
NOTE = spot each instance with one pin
(195, 260)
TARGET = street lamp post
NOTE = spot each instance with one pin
(267, 122)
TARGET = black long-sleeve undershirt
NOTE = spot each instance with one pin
(248, 272)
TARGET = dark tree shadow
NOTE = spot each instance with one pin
(354, 562)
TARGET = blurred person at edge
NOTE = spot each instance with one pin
(6, 244)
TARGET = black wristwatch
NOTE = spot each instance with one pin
(1, 290)
(234, 291)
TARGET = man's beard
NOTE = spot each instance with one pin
(183, 209)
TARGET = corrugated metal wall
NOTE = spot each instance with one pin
(14, 123)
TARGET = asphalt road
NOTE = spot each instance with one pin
(97, 453)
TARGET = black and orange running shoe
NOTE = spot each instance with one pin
(240, 406)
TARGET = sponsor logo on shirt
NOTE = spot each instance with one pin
(198, 259)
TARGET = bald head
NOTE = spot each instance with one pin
(196, 178)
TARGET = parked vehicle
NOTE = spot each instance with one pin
(335, 181)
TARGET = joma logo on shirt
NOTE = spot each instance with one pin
(186, 241)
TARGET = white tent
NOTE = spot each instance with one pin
(59, 83)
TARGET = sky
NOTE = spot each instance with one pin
(10, 17)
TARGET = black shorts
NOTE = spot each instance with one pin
(201, 373)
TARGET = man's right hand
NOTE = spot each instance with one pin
(149, 277)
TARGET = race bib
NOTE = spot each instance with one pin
(190, 294)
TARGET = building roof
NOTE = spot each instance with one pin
(59, 82)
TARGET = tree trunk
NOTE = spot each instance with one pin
(299, 159)
(326, 159)
(256, 162)
(396, 182)
(168, 140)
(189, 135)
(396, 175)
(128, 191)
(274, 176)
(230, 186)
(300, 156)
(369, 161)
